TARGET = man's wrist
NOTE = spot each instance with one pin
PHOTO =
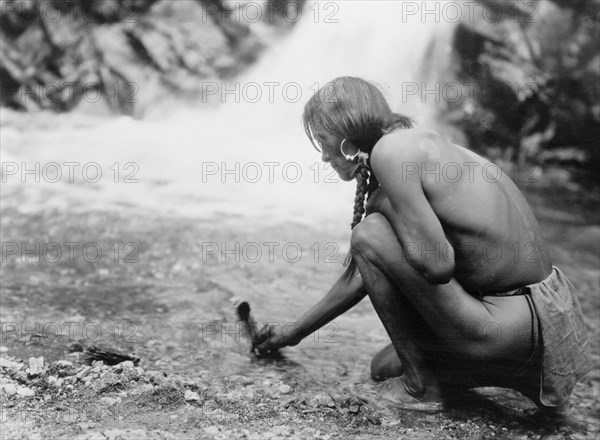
(293, 334)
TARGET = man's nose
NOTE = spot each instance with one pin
(324, 156)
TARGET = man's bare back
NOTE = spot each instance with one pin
(495, 237)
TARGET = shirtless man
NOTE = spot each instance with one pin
(451, 257)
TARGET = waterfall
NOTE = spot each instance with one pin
(248, 155)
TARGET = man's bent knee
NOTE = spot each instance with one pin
(370, 234)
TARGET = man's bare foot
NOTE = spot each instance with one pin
(397, 394)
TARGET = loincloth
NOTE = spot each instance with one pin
(559, 333)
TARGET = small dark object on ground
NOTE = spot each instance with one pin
(250, 327)
(251, 330)
(75, 347)
(109, 357)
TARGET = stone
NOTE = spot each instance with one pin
(36, 366)
(10, 389)
(83, 372)
(25, 392)
(10, 365)
(284, 389)
(191, 396)
(321, 400)
(62, 365)
(124, 365)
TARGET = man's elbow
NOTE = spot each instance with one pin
(440, 272)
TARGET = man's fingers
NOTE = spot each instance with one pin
(263, 348)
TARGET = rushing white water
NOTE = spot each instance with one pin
(248, 156)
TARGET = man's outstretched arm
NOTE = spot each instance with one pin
(347, 291)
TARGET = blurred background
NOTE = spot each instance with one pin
(168, 132)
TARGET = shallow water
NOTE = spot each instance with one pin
(244, 165)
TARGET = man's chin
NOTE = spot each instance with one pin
(346, 177)
(350, 175)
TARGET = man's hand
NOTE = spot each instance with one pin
(271, 338)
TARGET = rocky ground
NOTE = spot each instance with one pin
(196, 377)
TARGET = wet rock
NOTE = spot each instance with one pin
(62, 364)
(83, 372)
(10, 365)
(75, 347)
(127, 365)
(10, 389)
(321, 400)
(36, 366)
(191, 396)
(284, 389)
(25, 392)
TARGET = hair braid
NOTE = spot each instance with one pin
(362, 189)
(366, 184)
(373, 185)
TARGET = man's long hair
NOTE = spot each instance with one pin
(357, 111)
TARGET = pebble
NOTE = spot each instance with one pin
(284, 389)
(25, 392)
(126, 364)
(36, 366)
(191, 396)
(10, 389)
(321, 400)
(5, 363)
(63, 364)
(83, 372)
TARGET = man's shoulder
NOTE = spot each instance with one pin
(414, 145)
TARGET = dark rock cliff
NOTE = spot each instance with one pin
(126, 52)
